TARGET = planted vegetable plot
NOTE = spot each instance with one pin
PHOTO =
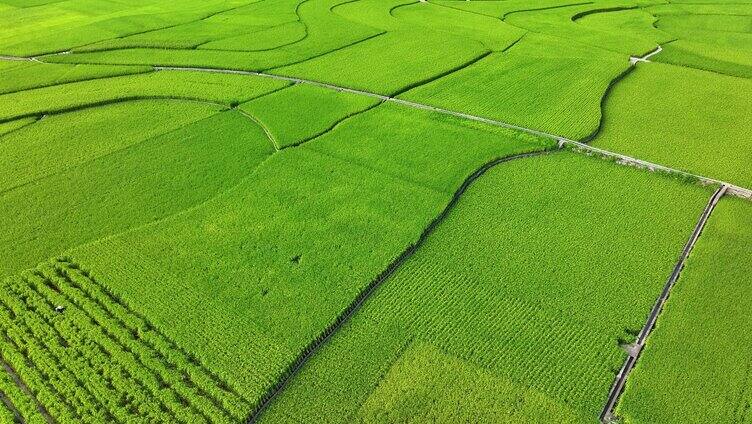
(376, 211)
(89, 357)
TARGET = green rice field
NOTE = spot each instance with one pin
(375, 211)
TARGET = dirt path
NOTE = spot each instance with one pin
(635, 349)
(563, 141)
(634, 59)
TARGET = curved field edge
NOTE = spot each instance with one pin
(294, 368)
(340, 375)
(104, 279)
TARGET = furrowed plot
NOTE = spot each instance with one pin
(520, 296)
(684, 118)
(279, 261)
(532, 84)
(696, 365)
(88, 357)
(69, 191)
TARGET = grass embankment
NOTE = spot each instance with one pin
(697, 363)
(523, 292)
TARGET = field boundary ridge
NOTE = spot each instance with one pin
(576, 146)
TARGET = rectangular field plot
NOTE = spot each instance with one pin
(683, 118)
(522, 294)
(696, 365)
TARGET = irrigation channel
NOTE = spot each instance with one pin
(635, 349)
(356, 304)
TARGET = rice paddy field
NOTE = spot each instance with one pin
(375, 211)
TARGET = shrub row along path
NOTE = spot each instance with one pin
(635, 349)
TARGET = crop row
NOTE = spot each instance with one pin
(87, 357)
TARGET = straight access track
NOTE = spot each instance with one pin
(607, 415)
